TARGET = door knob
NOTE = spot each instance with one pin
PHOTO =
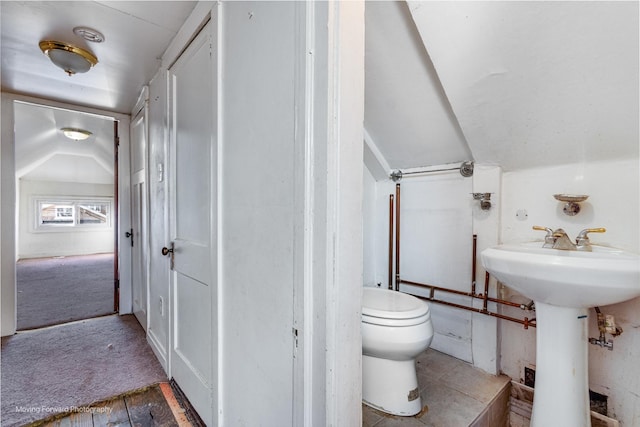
(129, 235)
(169, 251)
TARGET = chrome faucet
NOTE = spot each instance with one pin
(559, 239)
(562, 241)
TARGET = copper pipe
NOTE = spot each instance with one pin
(526, 322)
(468, 294)
(453, 291)
(390, 241)
(473, 264)
(486, 290)
(505, 302)
(397, 287)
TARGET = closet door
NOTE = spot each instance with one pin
(139, 215)
(193, 219)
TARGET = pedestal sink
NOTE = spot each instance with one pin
(563, 285)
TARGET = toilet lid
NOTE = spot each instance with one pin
(388, 304)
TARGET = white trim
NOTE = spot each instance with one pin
(142, 102)
(343, 234)
(218, 32)
(189, 30)
(308, 338)
(158, 349)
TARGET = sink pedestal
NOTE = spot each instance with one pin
(561, 395)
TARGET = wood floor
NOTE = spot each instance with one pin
(154, 406)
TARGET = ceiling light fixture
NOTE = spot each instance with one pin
(70, 58)
(76, 134)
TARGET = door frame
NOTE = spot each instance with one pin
(8, 191)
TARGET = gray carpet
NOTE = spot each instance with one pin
(73, 365)
(58, 290)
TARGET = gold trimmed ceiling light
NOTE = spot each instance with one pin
(76, 134)
(71, 59)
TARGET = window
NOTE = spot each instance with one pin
(52, 213)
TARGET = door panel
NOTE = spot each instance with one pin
(192, 220)
(139, 217)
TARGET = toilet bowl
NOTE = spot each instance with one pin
(396, 328)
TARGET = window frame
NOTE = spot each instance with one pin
(76, 203)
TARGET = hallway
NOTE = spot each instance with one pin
(75, 364)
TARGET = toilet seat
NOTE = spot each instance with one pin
(391, 308)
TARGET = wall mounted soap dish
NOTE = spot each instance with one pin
(571, 207)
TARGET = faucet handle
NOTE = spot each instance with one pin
(541, 228)
(583, 233)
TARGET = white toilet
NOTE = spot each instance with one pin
(396, 328)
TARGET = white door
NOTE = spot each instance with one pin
(193, 218)
(138, 234)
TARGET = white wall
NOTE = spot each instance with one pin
(291, 253)
(258, 212)
(436, 235)
(371, 270)
(33, 243)
(439, 217)
(614, 203)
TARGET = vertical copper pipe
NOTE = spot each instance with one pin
(473, 264)
(486, 291)
(390, 241)
(397, 237)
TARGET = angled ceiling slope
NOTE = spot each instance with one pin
(42, 152)
(407, 114)
(538, 83)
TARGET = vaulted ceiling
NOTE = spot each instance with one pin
(509, 83)
(43, 153)
(516, 84)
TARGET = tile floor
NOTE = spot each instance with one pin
(456, 394)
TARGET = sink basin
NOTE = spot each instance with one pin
(566, 278)
(563, 285)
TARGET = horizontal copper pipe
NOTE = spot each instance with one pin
(525, 322)
(453, 291)
(467, 294)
